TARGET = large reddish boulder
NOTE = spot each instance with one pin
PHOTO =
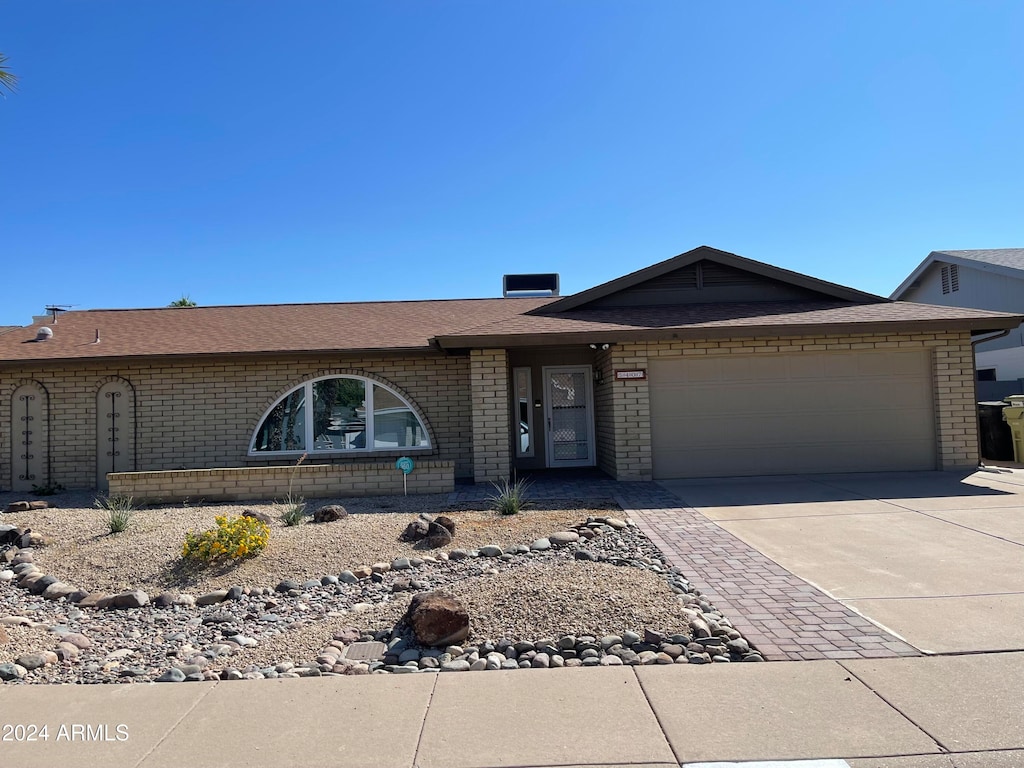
(437, 619)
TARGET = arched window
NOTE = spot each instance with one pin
(339, 414)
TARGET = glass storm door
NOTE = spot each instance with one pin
(569, 413)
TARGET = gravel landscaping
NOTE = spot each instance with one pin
(556, 585)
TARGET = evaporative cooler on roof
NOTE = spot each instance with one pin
(541, 284)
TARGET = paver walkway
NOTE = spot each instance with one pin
(781, 614)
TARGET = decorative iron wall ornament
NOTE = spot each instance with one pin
(26, 436)
(113, 414)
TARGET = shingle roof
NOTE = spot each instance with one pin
(422, 326)
(257, 329)
(1005, 261)
(1003, 257)
(702, 320)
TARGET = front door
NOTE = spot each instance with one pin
(569, 411)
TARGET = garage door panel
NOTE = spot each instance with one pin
(781, 414)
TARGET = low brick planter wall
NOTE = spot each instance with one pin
(307, 480)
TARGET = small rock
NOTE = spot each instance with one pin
(563, 538)
(330, 513)
(445, 522)
(287, 585)
(401, 564)
(380, 567)
(58, 590)
(347, 577)
(212, 598)
(11, 671)
(437, 536)
(585, 554)
(491, 550)
(456, 665)
(78, 640)
(19, 506)
(92, 600)
(31, 661)
(738, 646)
(172, 675)
(415, 531)
(135, 599)
(362, 572)
(611, 661)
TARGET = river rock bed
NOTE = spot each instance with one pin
(321, 626)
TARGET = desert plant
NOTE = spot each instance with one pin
(510, 496)
(120, 510)
(293, 510)
(234, 538)
(294, 506)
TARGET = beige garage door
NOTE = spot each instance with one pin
(789, 414)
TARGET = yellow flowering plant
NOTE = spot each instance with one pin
(234, 538)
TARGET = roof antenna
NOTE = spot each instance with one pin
(55, 308)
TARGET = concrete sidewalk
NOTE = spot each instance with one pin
(961, 711)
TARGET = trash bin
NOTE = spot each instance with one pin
(995, 433)
(1014, 416)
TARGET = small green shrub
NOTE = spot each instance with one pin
(234, 538)
(47, 489)
(293, 510)
(120, 510)
(510, 496)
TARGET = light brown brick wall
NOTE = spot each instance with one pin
(202, 413)
(625, 448)
(604, 411)
(309, 481)
(489, 382)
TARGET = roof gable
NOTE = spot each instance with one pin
(1008, 262)
(706, 276)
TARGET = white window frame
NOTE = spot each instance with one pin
(310, 438)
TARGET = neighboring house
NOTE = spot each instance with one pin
(707, 364)
(982, 279)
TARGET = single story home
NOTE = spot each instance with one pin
(707, 364)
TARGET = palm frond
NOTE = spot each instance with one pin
(8, 79)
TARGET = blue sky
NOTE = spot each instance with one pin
(265, 152)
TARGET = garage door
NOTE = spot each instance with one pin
(788, 414)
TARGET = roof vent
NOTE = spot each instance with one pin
(543, 284)
(43, 334)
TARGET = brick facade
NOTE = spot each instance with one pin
(309, 481)
(201, 413)
(624, 434)
(489, 381)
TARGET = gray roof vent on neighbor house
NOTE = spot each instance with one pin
(43, 334)
(541, 284)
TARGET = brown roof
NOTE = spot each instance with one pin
(693, 321)
(276, 328)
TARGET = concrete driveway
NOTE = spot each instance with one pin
(936, 558)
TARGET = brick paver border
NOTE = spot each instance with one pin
(778, 612)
